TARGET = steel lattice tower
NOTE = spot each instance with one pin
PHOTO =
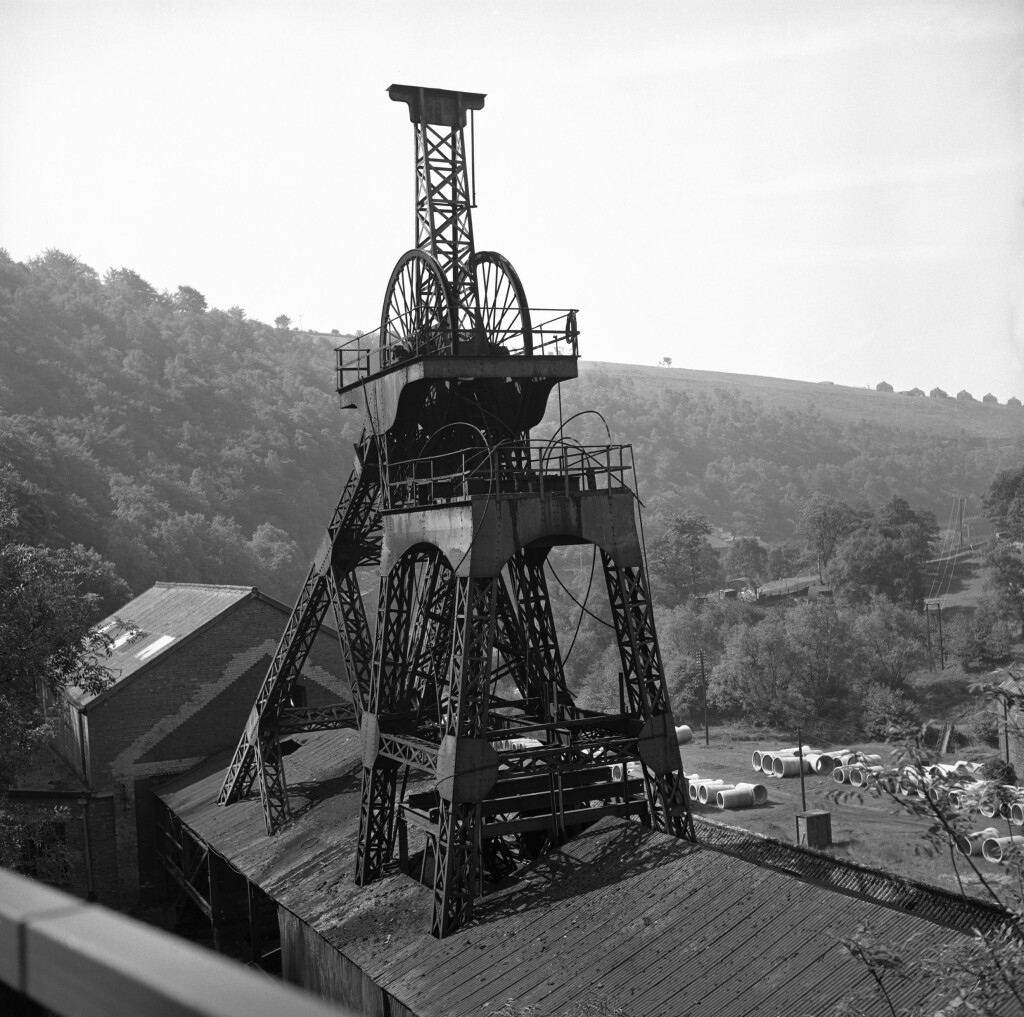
(462, 680)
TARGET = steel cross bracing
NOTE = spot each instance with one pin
(351, 540)
(459, 840)
(444, 224)
(644, 679)
(463, 681)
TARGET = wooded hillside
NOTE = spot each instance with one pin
(191, 443)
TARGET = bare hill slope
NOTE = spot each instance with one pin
(841, 403)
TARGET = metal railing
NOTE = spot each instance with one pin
(557, 335)
(62, 956)
(558, 467)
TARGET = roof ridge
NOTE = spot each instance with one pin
(200, 586)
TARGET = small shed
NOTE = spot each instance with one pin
(917, 392)
(883, 386)
(990, 399)
(937, 393)
(965, 397)
(1014, 402)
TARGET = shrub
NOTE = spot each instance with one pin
(884, 708)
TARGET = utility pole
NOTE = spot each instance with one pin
(800, 756)
(928, 630)
(960, 519)
(942, 652)
(704, 695)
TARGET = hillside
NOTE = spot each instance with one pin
(192, 443)
(748, 451)
(840, 403)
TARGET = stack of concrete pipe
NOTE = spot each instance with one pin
(971, 843)
(993, 845)
(856, 768)
(765, 762)
(742, 796)
(723, 794)
(996, 849)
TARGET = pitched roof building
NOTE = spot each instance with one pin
(621, 919)
(186, 663)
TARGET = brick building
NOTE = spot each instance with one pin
(185, 677)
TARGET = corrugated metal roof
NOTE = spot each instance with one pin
(165, 615)
(621, 920)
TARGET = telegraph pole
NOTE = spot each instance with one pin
(800, 756)
(704, 695)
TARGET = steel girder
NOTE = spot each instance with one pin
(458, 852)
(644, 678)
(351, 540)
(390, 666)
(543, 657)
(444, 225)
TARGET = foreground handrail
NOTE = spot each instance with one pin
(80, 960)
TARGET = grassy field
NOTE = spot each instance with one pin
(866, 828)
(842, 403)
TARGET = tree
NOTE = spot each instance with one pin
(283, 322)
(682, 559)
(822, 654)
(892, 642)
(1005, 578)
(46, 640)
(754, 673)
(784, 560)
(824, 522)
(189, 300)
(885, 555)
(1004, 502)
(746, 557)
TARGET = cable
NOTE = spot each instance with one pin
(582, 607)
(586, 597)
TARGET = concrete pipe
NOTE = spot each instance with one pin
(966, 769)
(755, 760)
(734, 798)
(989, 807)
(707, 792)
(697, 785)
(869, 759)
(812, 761)
(841, 774)
(633, 770)
(790, 766)
(793, 750)
(887, 782)
(907, 784)
(1017, 813)
(995, 849)
(860, 776)
(825, 763)
(970, 843)
(759, 791)
(768, 763)
(937, 794)
(684, 734)
(844, 758)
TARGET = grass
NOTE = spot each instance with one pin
(866, 828)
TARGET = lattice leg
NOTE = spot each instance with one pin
(391, 650)
(456, 872)
(273, 788)
(376, 822)
(459, 826)
(633, 616)
(544, 658)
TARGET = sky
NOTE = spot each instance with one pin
(809, 189)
